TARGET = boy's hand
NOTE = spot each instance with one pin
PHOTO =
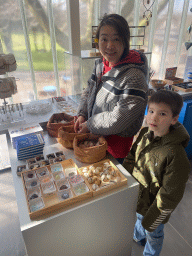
(79, 121)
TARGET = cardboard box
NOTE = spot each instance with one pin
(170, 76)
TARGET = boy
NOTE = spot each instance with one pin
(160, 164)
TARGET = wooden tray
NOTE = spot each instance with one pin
(52, 202)
(173, 80)
(122, 182)
(178, 88)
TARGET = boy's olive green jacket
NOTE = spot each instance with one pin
(162, 168)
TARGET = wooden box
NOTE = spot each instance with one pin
(170, 76)
(103, 187)
(183, 87)
(51, 201)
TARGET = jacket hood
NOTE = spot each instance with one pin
(177, 135)
(135, 59)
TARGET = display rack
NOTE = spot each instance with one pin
(9, 113)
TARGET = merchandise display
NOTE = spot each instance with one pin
(80, 189)
(170, 76)
(61, 184)
(7, 63)
(89, 148)
(38, 107)
(44, 193)
(12, 113)
(29, 145)
(17, 132)
(66, 136)
(58, 120)
(103, 176)
(66, 106)
(40, 161)
(185, 87)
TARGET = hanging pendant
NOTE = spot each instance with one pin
(189, 29)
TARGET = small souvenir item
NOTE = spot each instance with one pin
(33, 196)
(51, 156)
(91, 167)
(95, 186)
(56, 168)
(114, 173)
(90, 173)
(86, 175)
(76, 179)
(36, 204)
(59, 153)
(32, 183)
(63, 195)
(45, 162)
(29, 175)
(62, 184)
(97, 181)
(63, 187)
(98, 170)
(58, 175)
(90, 180)
(39, 158)
(42, 172)
(85, 169)
(48, 188)
(88, 144)
(31, 161)
(106, 164)
(104, 177)
(33, 193)
(109, 176)
(106, 171)
(33, 166)
(80, 189)
(51, 160)
(69, 172)
(20, 169)
(59, 158)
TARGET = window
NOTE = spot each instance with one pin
(37, 32)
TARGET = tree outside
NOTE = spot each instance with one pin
(13, 40)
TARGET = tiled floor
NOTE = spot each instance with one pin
(178, 232)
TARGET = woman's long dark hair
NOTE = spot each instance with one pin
(120, 25)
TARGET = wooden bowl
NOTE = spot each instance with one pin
(158, 83)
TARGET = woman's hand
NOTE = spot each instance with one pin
(79, 121)
(83, 128)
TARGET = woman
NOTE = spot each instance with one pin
(114, 102)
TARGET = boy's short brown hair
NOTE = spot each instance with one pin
(170, 98)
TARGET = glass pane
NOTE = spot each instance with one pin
(88, 13)
(14, 42)
(86, 8)
(62, 45)
(127, 11)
